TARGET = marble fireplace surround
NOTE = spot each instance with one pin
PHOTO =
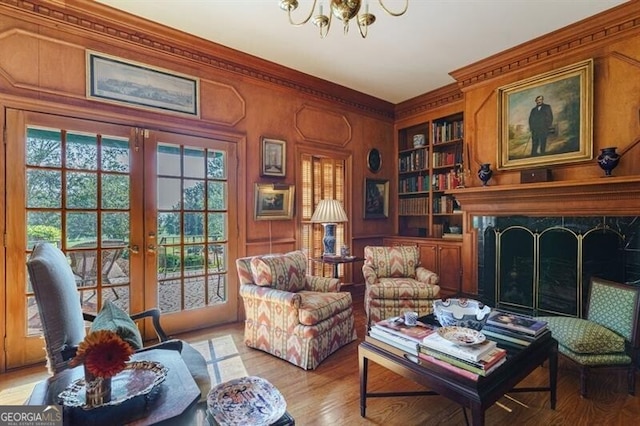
(574, 205)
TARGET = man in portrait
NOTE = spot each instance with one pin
(540, 120)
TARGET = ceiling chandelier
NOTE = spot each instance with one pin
(345, 10)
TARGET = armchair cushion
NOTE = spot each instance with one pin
(585, 337)
(115, 319)
(393, 262)
(282, 271)
(316, 307)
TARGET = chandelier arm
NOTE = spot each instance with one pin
(327, 28)
(298, 24)
(406, 5)
(366, 29)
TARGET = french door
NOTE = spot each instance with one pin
(142, 216)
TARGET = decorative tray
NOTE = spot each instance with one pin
(138, 378)
(462, 336)
(246, 401)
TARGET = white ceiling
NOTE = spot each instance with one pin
(402, 57)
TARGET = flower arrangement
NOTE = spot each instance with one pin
(103, 353)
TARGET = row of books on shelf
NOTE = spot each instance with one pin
(414, 161)
(443, 181)
(413, 206)
(521, 330)
(413, 184)
(445, 204)
(441, 159)
(445, 131)
(424, 342)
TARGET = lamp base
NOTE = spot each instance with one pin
(329, 240)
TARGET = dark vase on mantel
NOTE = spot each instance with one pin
(485, 173)
(608, 160)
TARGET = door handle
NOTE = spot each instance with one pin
(135, 249)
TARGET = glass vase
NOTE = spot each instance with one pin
(98, 389)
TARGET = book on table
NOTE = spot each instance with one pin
(483, 367)
(478, 368)
(406, 344)
(395, 325)
(449, 366)
(512, 336)
(425, 357)
(469, 353)
(521, 323)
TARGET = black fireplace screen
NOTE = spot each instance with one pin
(543, 266)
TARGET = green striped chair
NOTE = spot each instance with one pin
(608, 336)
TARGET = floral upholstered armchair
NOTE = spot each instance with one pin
(297, 317)
(395, 283)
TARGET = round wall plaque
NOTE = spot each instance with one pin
(374, 160)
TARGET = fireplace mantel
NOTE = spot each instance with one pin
(611, 196)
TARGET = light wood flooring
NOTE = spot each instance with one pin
(329, 395)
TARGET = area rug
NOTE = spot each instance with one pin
(223, 359)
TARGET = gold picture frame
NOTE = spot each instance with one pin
(376, 198)
(547, 119)
(273, 201)
(274, 157)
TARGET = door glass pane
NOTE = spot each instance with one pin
(191, 212)
(92, 227)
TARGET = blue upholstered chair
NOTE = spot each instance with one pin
(608, 336)
(63, 321)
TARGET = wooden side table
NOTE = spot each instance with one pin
(336, 261)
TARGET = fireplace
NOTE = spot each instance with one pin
(534, 247)
(543, 265)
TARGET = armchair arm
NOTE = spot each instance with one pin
(322, 284)
(370, 275)
(426, 276)
(269, 294)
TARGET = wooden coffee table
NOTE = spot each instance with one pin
(475, 395)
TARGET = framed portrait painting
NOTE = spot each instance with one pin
(547, 119)
(376, 198)
(274, 157)
(273, 201)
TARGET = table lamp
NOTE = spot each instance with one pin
(329, 213)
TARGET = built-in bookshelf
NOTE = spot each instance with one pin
(430, 162)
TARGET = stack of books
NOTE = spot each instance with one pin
(521, 330)
(394, 332)
(471, 361)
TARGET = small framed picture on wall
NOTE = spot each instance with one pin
(274, 157)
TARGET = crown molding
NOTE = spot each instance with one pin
(605, 27)
(95, 20)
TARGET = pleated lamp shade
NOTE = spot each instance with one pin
(329, 211)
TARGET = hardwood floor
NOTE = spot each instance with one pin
(329, 395)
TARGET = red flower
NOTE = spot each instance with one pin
(103, 353)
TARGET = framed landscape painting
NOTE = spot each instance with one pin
(273, 201)
(547, 119)
(117, 80)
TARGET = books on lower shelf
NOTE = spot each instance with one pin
(515, 322)
(468, 353)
